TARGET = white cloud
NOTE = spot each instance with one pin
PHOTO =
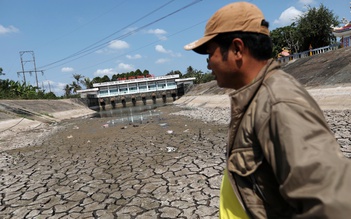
(125, 67)
(176, 54)
(161, 49)
(130, 30)
(307, 2)
(288, 16)
(160, 37)
(9, 29)
(161, 61)
(118, 44)
(67, 69)
(136, 56)
(159, 33)
(103, 72)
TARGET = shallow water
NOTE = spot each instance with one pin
(134, 114)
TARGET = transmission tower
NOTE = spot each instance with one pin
(24, 61)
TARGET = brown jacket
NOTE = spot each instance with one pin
(283, 160)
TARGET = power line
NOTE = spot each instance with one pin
(87, 51)
(92, 46)
(89, 22)
(168, 36)
(152, 43)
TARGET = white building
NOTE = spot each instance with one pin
(136, 86)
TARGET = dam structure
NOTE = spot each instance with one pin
(137, 88)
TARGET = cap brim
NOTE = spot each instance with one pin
(199, 46)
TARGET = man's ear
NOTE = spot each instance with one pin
(238, 46)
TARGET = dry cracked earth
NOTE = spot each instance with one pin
(167, 167)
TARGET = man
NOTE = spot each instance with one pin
(282, 159)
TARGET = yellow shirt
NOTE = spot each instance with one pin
(229, 205)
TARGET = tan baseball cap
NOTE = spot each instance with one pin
(238, 16)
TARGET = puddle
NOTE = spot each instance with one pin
(136, 115)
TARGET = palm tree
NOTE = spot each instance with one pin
(75, 86)
(67, 90)
(78, 77)
(87, 83)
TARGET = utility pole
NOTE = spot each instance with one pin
(49, 86)
(23, 62)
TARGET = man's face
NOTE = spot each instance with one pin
(223, 70)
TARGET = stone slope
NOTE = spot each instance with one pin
(325, 69)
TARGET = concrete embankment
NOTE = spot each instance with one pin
(43, 110)
(27, 122)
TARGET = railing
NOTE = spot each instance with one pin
(108, 93)
(135, 80)
(304, 54)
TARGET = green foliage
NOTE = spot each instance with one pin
(75, 86)
(10, 89)
(146, 72)
(285, 37)
(314, 27)
(105, 78)
(177, 72)
(87, 83)
(207, 77)
(199, 76)
(78, 77)
(138, 72)
(71, 89)
(68, 90)
(97, 80)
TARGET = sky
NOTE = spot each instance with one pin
(93, 38)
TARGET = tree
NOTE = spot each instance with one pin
(114, 77)
(176, 72)
(285, 37)
(207, 77)
(105, 78)
(314, 27)
(146, 72)
(96, 80)
(87, 83)
(67, 90)
(78, 77)
(138, 72)
(194, 73)
(75, 86)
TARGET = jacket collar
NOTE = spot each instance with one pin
(240, 99)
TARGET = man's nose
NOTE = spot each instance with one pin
(208, 64)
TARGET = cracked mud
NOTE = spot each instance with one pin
(86, 170)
